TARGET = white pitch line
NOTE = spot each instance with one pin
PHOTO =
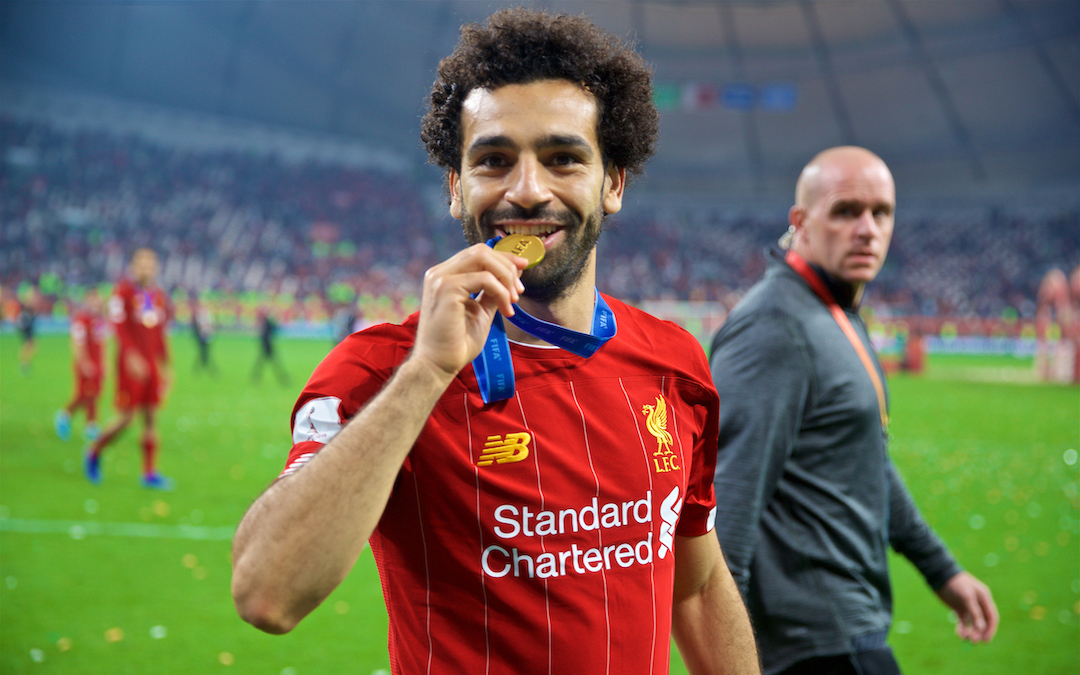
(77, 529)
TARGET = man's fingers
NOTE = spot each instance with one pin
(968, 626)
(978, 620)
(506, 268)
(488, 290)
(479, 269)
(989, 609)
(970, 599)
(983, 615)
(461, 295)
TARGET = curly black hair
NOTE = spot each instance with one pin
(521, 45)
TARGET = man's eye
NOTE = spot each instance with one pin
(492, 161)
(564, 160)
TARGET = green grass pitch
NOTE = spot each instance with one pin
(117, 579)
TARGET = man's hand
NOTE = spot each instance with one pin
(453, 325)
(977, 615)
(87, 368)
(136, 365)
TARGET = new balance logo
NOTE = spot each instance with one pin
(499, 450)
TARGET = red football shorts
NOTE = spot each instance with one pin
(132, 392)
(87, 387)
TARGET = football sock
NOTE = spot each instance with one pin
(91, 431)
(149, 448)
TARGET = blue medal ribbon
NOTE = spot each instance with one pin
(495, 370)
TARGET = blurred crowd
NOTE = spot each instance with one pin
(311, 238)
(958, 263)
(73, 206)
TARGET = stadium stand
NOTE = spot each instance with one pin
(321, 233)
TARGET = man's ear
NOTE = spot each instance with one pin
(796, 218)
(614, 182)
(453, 181)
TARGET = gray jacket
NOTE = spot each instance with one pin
(807, 498)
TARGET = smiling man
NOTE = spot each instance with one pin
(811, 501)
(537, 172)
(537, 496)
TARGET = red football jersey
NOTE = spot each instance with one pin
(89, 332)
(535, 534)
(139, 317)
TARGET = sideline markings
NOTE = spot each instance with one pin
(998, 374)
(77, 529)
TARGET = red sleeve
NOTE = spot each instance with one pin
(81, 330)
(350, 375)
(699, 509)
(122, 315)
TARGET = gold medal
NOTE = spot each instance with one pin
(525, 245)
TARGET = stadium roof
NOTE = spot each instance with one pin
(959, 96)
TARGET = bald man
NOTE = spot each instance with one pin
(808, 500)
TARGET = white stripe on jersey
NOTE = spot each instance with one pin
(480, 528)
(675, 510)
(318, 420)
(295, 465)
(710, 522)
(427, 572)
(599, 534)
(648, 470)
(543, 548)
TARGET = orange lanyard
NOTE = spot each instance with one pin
(806, 272)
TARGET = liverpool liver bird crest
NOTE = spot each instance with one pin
(656, 423)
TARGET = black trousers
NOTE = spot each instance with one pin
(874, 662)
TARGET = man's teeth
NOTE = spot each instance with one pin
(535, 230)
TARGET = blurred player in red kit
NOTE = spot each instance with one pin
(139, 311)
(88, 334)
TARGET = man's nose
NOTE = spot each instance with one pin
(528, 187)
(866, 226)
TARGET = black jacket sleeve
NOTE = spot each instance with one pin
(912, 537)
(763, 374)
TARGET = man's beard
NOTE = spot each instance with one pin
(563, 267)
